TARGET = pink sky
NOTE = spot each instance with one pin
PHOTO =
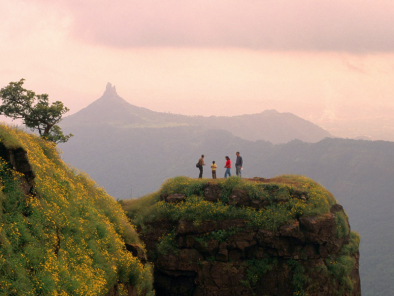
(331, 62)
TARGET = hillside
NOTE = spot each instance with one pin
(285, 236)
(110, 110)
(60, 233)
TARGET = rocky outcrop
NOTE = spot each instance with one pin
(306, 256)
(17, 159)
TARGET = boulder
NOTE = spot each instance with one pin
(212, 192)
(319, 229)
(239, 198)
(175, 198)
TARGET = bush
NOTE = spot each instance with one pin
(342, 223)
(65, 238)
(256, 268)
(341, 267)
(195, 208)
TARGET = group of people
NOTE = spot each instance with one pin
(238, 166)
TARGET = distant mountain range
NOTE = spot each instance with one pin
(130, 151)
(112, 110)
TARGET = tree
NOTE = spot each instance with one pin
(34, 110)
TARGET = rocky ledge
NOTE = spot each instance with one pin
(305, 256)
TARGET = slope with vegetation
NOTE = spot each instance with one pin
(60, 234)
(284, 236)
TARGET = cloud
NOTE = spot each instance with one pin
(325, 25)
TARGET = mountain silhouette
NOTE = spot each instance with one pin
(111, 110)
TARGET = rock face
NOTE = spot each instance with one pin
(17, 158)
(225, 257)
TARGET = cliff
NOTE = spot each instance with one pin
(284, 236)
(59, 233)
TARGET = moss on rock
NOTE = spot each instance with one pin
(280, 236)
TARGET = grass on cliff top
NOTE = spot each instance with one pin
(65, 238)
(195, 208)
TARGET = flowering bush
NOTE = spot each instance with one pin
(68, 236)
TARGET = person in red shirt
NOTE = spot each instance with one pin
(227, 167)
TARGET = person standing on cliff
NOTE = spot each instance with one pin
(238, 165)
(200, 164)
(227, 167)
(213, 167)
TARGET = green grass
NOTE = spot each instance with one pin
(353, 245)
(66, 239)
(256, 268)
(196, 209)
(218, 235)
(167, 244)
(340, 267)
(342, 224)
(300, 280)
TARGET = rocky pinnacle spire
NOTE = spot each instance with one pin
(110, 91)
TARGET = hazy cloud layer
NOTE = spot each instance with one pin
(196, 58)
(325, 25)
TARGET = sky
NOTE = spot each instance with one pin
(327, 61)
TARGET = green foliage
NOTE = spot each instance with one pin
(353, 246)
(340, 267)
(183, 185)
(223, 235)
(195, 208)
(140, 209)
(167, 244)
(256, 268)
(219, 235)
(342, 223)
(300, 280)
(227, 185)
(34, 110)
(68, 237)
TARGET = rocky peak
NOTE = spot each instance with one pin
(110, 91)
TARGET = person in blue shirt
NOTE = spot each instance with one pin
(238, 165)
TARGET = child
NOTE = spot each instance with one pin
(213, 167)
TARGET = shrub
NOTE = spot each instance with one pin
(256, 268)
(67, 237)
(300, 280)
(340, 267)
(167, 244)
(195, 208)
(342, 223)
